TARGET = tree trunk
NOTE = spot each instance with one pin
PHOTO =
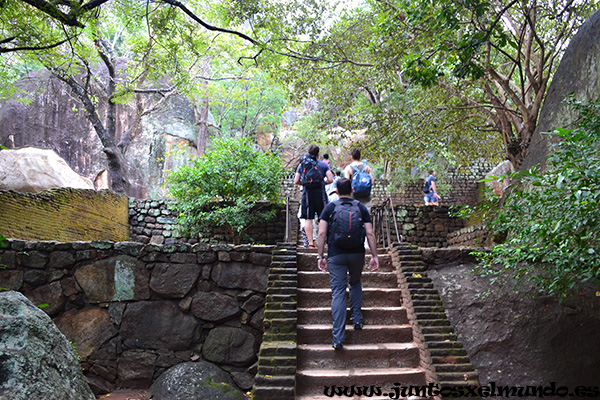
(204, 108)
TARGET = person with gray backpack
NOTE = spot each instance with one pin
(344, 224)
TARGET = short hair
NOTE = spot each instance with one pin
(430, 172)
(326, 156)
(313, 149)
(355, 154)
(344, 186)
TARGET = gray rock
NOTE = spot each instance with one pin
(158, 325)
(87, 329)
(174, 281)
(215, 307)
(231, 346)
(114, 279)
(36, 360)
(521, 338)
(195, 381)
(136, 369)
(236, 275)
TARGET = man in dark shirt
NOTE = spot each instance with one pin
(342, 262)
(313, 199)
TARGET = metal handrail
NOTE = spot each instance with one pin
(288, 222)
(381, 222)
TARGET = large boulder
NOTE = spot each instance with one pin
(30, 169)
(195, 381)
(521, 338)
(36, 360)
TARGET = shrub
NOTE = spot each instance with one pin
(224, 188)
(551, 220)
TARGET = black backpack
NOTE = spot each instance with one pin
(427, 186)
(310, 176)
(347, 229)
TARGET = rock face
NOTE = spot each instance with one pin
(200, 380)
(30, 169)
(517, 339)
(36, 360)
(55, 120)
(577, 73)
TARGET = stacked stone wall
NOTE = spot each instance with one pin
(469, 236)
(64, 214)
(152, 221)
(133, 310)
(463, 192)
(425, 226)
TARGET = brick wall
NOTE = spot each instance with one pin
(64, 214)
(463, 192)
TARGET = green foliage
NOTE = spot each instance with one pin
(224, 187)
(551, 218)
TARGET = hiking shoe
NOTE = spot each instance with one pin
(358, 325)
(337, 346)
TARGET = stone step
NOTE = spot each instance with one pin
(450, 360)
(280, 298)
(321, 334)
(426, 330)
(425, 297)
(313, 381)
(277, 270)
(282, 284)
(285, 305)
(420, 285)
(448, 352)
(434, 322)
(280, 314)
(368, 355)
(283, 264)
(427, 303)
(430, 315)
(429, 308)
(281, 290)
(457, 376)
(444, 344)
(318, 279)
(283, 256)
(372, 297)
(371, 315)
(286, 276)
(274, 392)
(308, 262)
(450, 368)
(439, 337)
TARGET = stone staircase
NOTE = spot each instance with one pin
(382, 354)
(431, 327)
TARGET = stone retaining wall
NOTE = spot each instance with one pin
(133, 310)
(470, 236)
(426, 226)
(152, 221)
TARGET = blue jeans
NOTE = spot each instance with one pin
(340, 266)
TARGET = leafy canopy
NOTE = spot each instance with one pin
(551, 219)
(224, 187)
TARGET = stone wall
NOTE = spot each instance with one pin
(133, 310)
(152, 221)
(469, 236)
(425, 226)
(463, 192)
(64, 214)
